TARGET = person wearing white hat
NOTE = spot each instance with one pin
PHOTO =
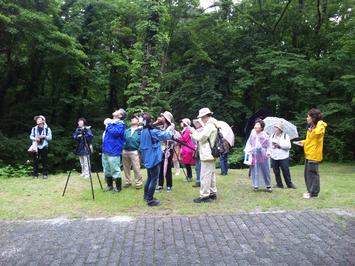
(280, 153)
(187, 154)
(206, 139)
(166, 124)
(40, 135)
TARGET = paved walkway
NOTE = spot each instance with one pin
(289, 238)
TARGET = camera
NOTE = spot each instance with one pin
(84, 129)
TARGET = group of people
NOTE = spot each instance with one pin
(261, 147)
(159, 145)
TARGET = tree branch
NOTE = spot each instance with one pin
(281, 16)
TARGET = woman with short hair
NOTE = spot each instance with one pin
(258, 145)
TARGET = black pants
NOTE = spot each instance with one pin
(283, 164)
(188, 170)
(168, 176)
(43, 156)
(311, 177)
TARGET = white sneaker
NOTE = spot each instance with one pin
(86, 176)
(82, 174)
(306, 196)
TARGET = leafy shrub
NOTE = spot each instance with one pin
(15, 171)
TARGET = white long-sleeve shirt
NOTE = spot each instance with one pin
(283, 151)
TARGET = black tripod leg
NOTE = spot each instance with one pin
(66, 183)
(98, 177)
(92, 187)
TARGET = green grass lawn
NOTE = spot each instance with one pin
(25, 198)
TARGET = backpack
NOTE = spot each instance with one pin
(218, 148)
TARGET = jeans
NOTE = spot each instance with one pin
(283, 164)
(43, 155)
(150, 184)
(224, 164)
(168, 175)
(198, 170)
(188, 170)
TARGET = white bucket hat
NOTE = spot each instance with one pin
(186, 121)
(198, 121)
(203, 112)
(168, 116)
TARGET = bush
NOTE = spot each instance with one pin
(15, 171)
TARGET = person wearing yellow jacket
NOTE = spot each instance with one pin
(313, 150)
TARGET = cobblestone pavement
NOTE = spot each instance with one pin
(287, 238)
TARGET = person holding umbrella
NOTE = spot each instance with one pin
(313, 151)
(228, 142)
(280, 153)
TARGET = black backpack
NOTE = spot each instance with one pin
(218, 148)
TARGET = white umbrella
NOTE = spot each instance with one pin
(227, 132)
(288, 128)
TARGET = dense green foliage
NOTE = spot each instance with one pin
(73, 58)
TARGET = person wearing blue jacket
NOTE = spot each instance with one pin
(41, 134)
(152, 156)
(83, 136)
(113, 140)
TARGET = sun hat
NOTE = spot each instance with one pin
(203, 112)
(186, 121)
(280, 126)
(168, 116)
(197, 121)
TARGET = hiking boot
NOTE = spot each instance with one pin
(118, 187)
(107, 189)
(153, 202)
(213, 196)
(146, 200)
(159, 189)
(109, 183)
(202, 200)
(306, 195)
(197, 184)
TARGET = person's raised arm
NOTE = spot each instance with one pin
(204, 134)
(161, 135)
(116, 129)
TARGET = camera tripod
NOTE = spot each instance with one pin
(86, 145)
